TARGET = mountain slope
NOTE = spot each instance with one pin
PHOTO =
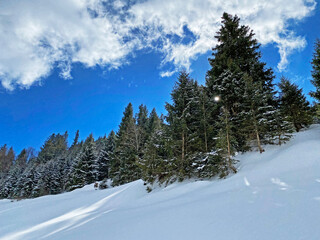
(275, 195)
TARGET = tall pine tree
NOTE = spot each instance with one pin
(181, 122)
(316, 70)
(236, 58)
(85, 169)
(124, 167)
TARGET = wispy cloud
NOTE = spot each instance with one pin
(37, 35)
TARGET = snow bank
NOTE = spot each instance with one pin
(275, 195)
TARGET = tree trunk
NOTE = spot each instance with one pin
(279, 137)
(205, 127)
(205, 141)
(296, 125)
(258, 141)
(182, 147)
(257, 132)
(229, 146)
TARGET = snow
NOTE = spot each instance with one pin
(275, 195)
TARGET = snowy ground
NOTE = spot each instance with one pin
(275, 195)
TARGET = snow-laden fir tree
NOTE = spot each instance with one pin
(141, 131)
(158, 163)
(316, 71)
(225, 143)
(7, 157)
(236, 54)
(53, 147)
(84, 170)
(294, 104)
(51, 176)
(258, 113)
(124, 165)
(205, 130)
(27, 182)
(75, 140)
(8, 186)
(105, 155)
(181, 123)
(281, 128)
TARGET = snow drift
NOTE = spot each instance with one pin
(275, 195)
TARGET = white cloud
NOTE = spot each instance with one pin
(38, 35)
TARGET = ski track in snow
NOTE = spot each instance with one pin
(275, 195)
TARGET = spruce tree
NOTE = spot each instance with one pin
(84, 170)
(154, 122)
(22, 159)
(105, 156)
(258, 114)
(159, 163)
(226, 141)
(316, 71)
(293, 104)
(27, 182)
(76, 139)
(56, 145)
(205, 129)
(7, 158)
(237, 50)
(235, 56)
(3, 154)
(124, 167)
(180, 120)
(141, 129)
(197, 121)
(282, 131)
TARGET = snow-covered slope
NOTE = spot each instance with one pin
(275, 195)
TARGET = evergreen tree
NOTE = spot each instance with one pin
(316, 70)
(236, 55)
(3, 154)
(105, 155)
(7, 158)
(9, 184)
(159, 163)
(27, 182)
(237, 50)
(22, 159)
(281, 129)
(56, 145)
(141, 129)
(258, 114)
(154, 122)
(205, 129)
(50, 176)
(180, 122)
(294, 105)
(85, 169)
(197, 121)
(10, 158)
(124, 167)
(226, 141)
(76, 139)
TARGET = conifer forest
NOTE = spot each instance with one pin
(205, 128)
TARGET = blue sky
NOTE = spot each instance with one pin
(52, 83)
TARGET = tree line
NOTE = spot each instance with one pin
(238, 109)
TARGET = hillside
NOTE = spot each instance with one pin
(275, 195)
